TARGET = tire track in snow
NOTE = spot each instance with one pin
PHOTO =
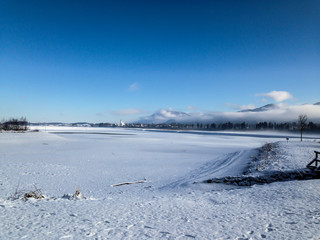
(225, 165)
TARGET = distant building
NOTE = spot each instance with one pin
(122, 123)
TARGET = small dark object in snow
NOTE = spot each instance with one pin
(34, 194)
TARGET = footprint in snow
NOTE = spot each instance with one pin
(148, 227)
(165, 234)
(269, 228)
(190, 236)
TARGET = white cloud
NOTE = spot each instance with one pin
(133, 87)
(278, 96)
(127, 112)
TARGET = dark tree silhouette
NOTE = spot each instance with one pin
(302, 123)
(14, 124)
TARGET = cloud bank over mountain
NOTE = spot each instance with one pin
(270, 113)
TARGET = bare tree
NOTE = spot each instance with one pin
(302, 123)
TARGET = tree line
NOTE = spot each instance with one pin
(14, 124)
(287, 126)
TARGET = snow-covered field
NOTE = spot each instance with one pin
(168, 204)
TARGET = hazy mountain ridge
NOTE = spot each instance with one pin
(165, 116)
(262, 109)
(269, 112)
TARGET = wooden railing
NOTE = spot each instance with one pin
(314, 164)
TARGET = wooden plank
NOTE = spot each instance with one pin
(128, 183)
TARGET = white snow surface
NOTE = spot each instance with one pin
(166, 204)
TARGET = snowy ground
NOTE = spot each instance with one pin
(168, 205)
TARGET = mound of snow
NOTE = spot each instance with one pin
(284, 156)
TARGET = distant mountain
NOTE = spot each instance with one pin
(164, 116)
(264, 108)
(269, 112)
(172, 120)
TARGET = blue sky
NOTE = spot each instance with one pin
(102, 61)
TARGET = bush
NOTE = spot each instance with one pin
(25, 195)
(77, 196)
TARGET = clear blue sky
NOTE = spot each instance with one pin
(102, 61)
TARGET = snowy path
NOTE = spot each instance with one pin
(231, 164)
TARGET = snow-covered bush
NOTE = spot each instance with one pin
(76, 196)
(25, 195)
